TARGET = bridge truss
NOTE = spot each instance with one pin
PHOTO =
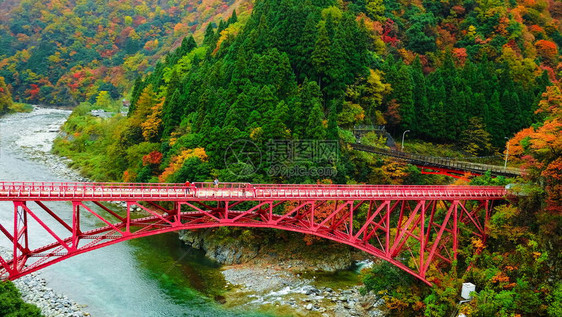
(413, 227)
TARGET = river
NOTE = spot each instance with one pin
(154, 276)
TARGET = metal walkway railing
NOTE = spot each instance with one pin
(440, 162)
(237, 191)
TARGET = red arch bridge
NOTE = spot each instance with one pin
(413, 227)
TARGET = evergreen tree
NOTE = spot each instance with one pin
(449, 72)
(309, 96)
(402, 91)
(238, 114)
(496, 122)
(221, 27)
(137, 89)
(420, 38)
(455, 113)
(315, 125)
(440, 129)
(302, 61)
(187, 45)
(274, 127)
(332, 131)
(210, 39)
(321, 53)
(421, 100)
(233, 18)
(512, 109)
(172, 112)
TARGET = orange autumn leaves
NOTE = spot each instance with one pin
(544, 142)
(155, 158)
(540, 147)
(177, 161)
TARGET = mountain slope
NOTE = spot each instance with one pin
(64, 52)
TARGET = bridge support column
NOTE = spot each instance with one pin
(422, 237)
(128, 217)
(487, 206)
(226, 211)
(75, 224)
(455, 229)
(20, 248)
(177, 213)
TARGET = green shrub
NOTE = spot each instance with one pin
(11, 304)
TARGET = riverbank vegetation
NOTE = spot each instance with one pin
(11, 304)
(303, 74)
(6, 102)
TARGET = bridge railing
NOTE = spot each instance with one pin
(117, 190)
(314, 190)
(226, 185)
(440, 161)
(143, 191)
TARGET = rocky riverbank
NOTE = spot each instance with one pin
(282, 278)
(34, 290)
(280, 290)
(37, 142)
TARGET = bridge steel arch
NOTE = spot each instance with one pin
(412, 227)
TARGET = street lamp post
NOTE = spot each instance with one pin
(403, 134)
(506, 154)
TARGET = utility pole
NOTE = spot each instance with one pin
(403, 134)
(506, 154)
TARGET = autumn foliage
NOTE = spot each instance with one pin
(153, 157)
(177, 161)
(548, 50)
(541, 147)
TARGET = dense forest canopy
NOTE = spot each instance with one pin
(312, 70)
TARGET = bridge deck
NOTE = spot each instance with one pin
(26, 191)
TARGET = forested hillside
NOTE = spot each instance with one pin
(470, 73)
(64, 51)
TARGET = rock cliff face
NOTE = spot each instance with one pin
(291, 252)
(232, 252)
